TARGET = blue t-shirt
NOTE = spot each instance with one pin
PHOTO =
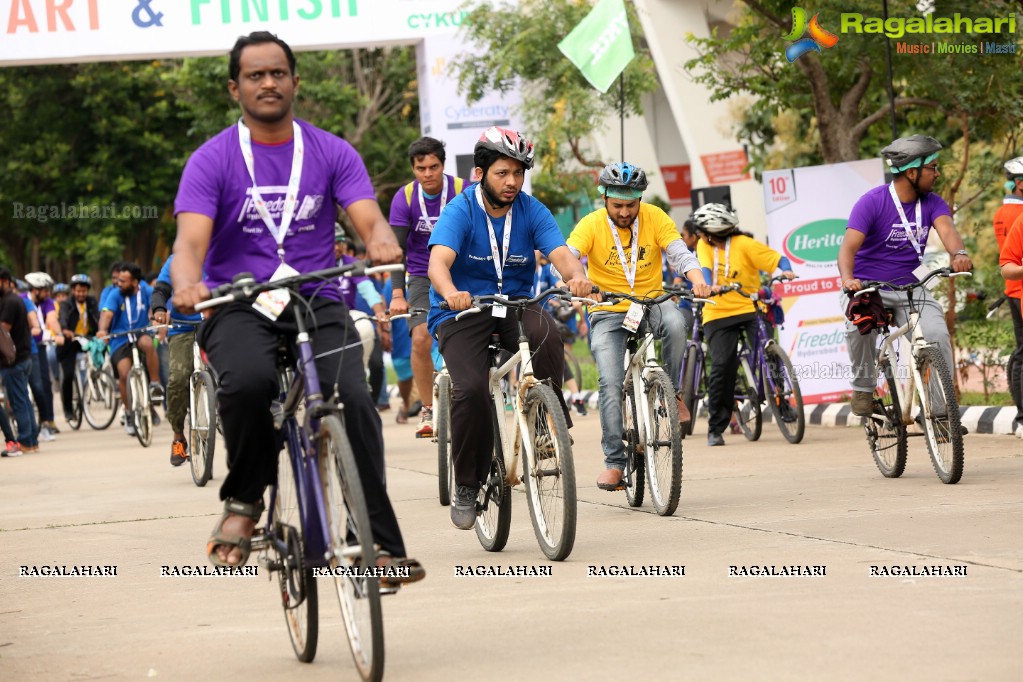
(30, 308)
(462, 227)
(175, 316)
(129, 314)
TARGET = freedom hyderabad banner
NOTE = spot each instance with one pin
(807, 212)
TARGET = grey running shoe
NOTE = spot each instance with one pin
(715, 439)
(463, 507)
(862, 403)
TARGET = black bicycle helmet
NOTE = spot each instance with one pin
(910, 152)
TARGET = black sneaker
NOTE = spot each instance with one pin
(463, 507)
(580, 407)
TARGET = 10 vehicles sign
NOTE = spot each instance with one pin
(807, 212)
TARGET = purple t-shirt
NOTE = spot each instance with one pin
(216, 183)
(348, 285)
(43, 309)
(406, 212)
(887, 253)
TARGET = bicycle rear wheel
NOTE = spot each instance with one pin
(295, 581)
(550, 475)
(784, 396)
(100, 403)
(634, 456)
(572, 366)
(354, 556)
(442, 430)
(76, 406)
(664, 445)
(138, 398)
(202, 418)
(886, 434)
(690, 387)
(943, 429)
(493, 519)
(747, 401)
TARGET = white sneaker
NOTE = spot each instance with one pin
(129, 427)
(45, 434)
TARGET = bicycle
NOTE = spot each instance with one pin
(442, 435)
(930, 383)
(94, 394)
(317, 516)
(766, 375)
(651, 431)
(202, 417)
(542, 436)
(140, 403)
(692, 373)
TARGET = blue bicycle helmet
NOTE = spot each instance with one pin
(622, 181)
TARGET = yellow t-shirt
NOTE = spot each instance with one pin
(746, 258)
(592, 237)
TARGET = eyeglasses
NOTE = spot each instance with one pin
(933, 169)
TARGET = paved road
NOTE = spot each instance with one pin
(98, 498)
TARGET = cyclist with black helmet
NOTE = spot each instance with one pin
(79, 316)
(625, 243)
(483, 244)
(729, 256)
(885, 241)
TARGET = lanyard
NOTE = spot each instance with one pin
(630, 271)
(291, 201)
(910, 234)
(443, 201)
(127, 308)
(728, 256)
(499, 262)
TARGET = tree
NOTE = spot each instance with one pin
(515, 48)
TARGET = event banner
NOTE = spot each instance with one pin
(807, 212)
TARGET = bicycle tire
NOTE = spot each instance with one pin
(202, 430)
(493, 518)
(690, 387)
(138, 390)
(76, 410)
(572, 363)
(442, 429)
(550, 476)
(663, 447)
(295, 582)
(793, 431)
(100, 404)
(634, 456)
(886, 434)
(747, 402)
(943, 434)
(348, 517)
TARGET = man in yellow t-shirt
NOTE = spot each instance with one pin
(729, 256)
(624, 243)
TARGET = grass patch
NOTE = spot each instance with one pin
(996, 398)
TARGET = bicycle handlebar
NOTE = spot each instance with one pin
(613, 297)
(872, 286)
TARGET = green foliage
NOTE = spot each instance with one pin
(987, 344)
(516, 50)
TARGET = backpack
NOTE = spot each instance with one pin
(409, 188)
(7, 350)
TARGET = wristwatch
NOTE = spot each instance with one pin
(960, 252)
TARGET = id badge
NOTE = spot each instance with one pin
(633, 317)
(272, 303)
(499, 311)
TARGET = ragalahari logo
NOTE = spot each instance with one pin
(818, 37)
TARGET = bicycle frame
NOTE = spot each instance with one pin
(510, 443)
(756, 351)
(640, 361)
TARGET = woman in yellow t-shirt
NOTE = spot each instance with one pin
(727, 256)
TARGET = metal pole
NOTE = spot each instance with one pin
(621, 110)
(891, 88)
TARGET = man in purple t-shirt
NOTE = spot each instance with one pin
(885, 241)
(233, 216)
(414, 211)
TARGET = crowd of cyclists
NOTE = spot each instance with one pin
(260, 198)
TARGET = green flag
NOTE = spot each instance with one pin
(601, 45)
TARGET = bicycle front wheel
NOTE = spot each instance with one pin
(353, 555)
(138, 398)
(663, 444)
(942, 426)
(747, 401)
(295, 582)
(442, 429)
(202, 417)
(886, 433)
(550, 474)
(634, 456)
(493, 517)
(100, 403)
(76, 406)
(784, 396)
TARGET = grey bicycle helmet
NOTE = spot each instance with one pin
(715, 219)
(508, 143)
(81, 278)
(39, 280)
(910, 152)
(622, 181)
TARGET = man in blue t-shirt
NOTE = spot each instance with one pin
(123, 310)
(483, 244)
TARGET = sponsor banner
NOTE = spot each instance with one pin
(725, 167)
(678, 180)
(807, 212)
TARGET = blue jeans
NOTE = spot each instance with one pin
(607, 343)
(16, 384)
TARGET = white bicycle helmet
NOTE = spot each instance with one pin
(1014, 168)
(39, 280)
(715, 219)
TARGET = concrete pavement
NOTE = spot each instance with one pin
(98, 498)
